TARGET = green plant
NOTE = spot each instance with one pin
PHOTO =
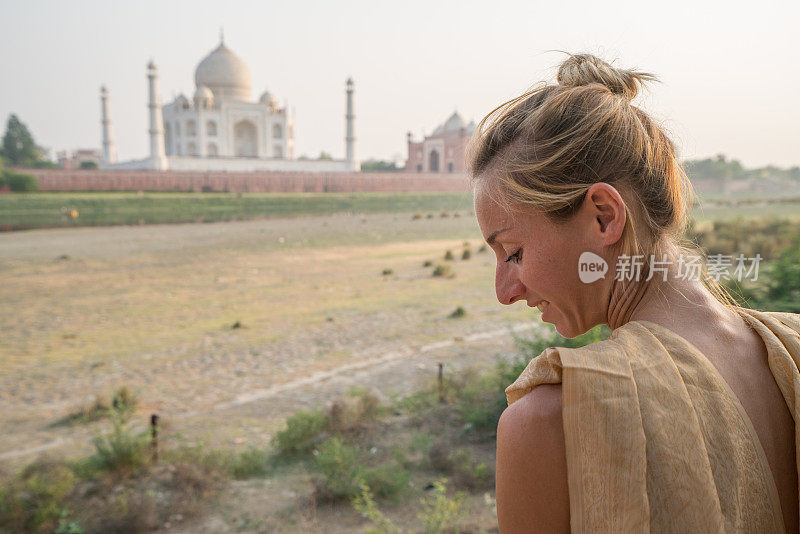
(250, 463)
(387, 272)
(341, 473)
(121, 451)
(439, 511)
(458, 312)
(448, 255)
(427, 263)
(34, 500)
(303, 431)
(19, 182)
(364, 504)
(442, 269)
(466, 254)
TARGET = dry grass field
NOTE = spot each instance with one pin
(208, 323)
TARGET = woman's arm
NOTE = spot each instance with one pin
(532, 493)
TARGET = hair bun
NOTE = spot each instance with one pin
(583, 69)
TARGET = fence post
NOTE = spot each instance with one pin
(441, 382)
(154, 437)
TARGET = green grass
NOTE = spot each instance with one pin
(47, 210)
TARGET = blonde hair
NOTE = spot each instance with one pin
(555, 141)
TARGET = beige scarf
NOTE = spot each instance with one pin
(655, 438)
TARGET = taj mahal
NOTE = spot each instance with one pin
(220, 128)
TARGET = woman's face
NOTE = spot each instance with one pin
(537, 261)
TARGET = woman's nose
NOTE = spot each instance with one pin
(508, 286)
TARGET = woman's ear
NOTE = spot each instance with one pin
(606, 208)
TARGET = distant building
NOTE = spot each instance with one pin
(220, 128)
(442, 151)
(81, 158)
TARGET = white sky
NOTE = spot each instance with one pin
(731, 81)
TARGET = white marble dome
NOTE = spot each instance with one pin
(225, 74)
(269, 100)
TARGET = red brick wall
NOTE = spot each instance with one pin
(268, 182)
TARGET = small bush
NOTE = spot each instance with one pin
(352, 412)
(120, 452)
(365, 505)
(427, 263)
(460, 463)
(441, 513)
(417, 215)
(449, 255)
(444, 213)
(466, 254)
(458, 312)
(35, 499)
(443, 270)
(250, 463)
(303, 431)
(387, 272)
(340, 472)
(482, 249)
(429, 216)
(19, 182)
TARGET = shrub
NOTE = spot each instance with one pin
(19, 182)
(365, 505)
(121, 451)
(340, 472)
(466, 254)
(387, 272)
(443, 269)
(439, 511)
(482, 249)
(353, 412)
(449, 255)
(250, 463)
(303, 432)
(34, 500)
(460, 463)
(427, 263)
(417, 215)
(458, 312)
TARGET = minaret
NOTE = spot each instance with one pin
(350, 132)
(109, 153)
(157, 155)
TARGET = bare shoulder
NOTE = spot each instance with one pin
(532, 492)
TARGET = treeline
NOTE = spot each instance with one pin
(719, 167)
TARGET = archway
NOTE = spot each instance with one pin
(433, 161)
(244, 139)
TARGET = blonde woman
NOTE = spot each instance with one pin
(683, 420)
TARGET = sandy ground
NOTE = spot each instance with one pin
(152, 308)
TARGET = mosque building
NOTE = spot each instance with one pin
(442, 151)
(220, 128)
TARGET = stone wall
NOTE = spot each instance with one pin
(254, 182)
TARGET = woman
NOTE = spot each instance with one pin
(683, 419)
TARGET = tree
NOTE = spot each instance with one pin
(325, 156)
(18, 146)
(374, 165)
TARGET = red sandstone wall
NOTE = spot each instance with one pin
(266, 182)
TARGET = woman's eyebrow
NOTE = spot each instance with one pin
(493, 235)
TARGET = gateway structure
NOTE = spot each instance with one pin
(220, 128)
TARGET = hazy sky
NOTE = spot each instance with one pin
(729, 70)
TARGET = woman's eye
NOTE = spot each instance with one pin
(515, 257)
